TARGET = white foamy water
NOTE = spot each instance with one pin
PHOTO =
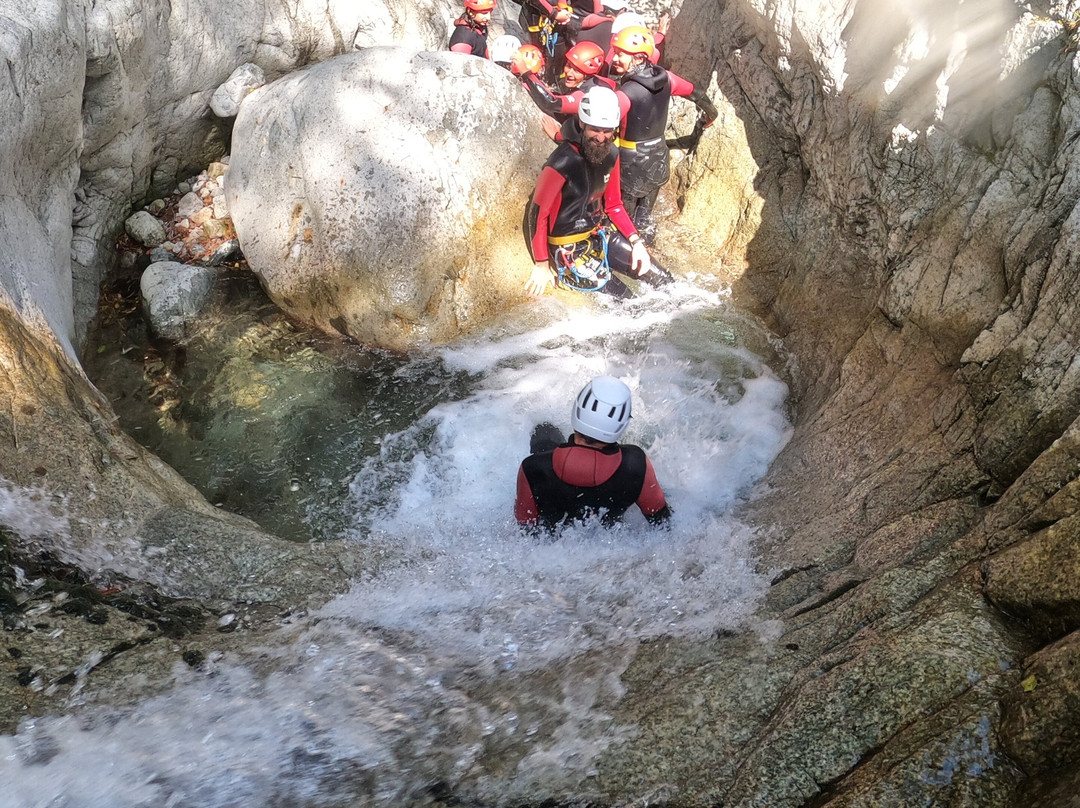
(487, 662)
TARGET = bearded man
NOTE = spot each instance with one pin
(575, 224)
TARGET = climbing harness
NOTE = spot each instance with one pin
(549, 37)
(582, 260)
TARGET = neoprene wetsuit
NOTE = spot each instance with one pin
(574, 482)
(561, 106)
(645, 98)
(469, 37)
(573, 196)
(595, 28)
(534, 14)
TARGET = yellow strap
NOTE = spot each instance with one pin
(562, 241)
(633, 144)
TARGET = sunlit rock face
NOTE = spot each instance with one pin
(380, 194)
(38, 174)
(917, 250)
(914, 194)
(917, 171)
(107, 103)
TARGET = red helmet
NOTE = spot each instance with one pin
(527, 59)
(634, 40)
(588, 57)
(480, 5)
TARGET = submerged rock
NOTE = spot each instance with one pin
(228, 251)
(173, 296)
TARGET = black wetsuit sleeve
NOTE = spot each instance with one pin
(703, 103)
(548, 103)
(661, 517)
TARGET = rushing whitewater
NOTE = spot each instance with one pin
(481, 661)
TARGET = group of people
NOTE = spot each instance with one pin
(596, 75)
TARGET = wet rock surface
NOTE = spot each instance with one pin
(68, 642)
(927, 289)
(919, 640)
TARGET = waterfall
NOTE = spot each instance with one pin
(480, 661)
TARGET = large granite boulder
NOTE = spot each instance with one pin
(380, 194)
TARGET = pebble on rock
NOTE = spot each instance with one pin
(145, 229)
(190, 204)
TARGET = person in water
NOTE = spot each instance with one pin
(591, 474)
(645, 91)
(575, 225)
(470, 29)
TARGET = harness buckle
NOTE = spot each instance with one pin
(583, 265)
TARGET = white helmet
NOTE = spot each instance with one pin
(615, 5)
(503, 48)
(599, 107)
(602, 409)
(628, 19)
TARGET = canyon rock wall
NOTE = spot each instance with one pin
(914, 202)
(917, 246)
(103, 104)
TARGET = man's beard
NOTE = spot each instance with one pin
(595, 152)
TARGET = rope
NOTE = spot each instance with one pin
(584, 265)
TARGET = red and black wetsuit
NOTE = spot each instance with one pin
(574, 482)
(645, 96)
(531, 19)
(469, 37)
(572, 196)
(561, 106)
(595, 28)
(531, 13)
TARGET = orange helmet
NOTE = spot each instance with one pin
(588, 57)
(527, 59)
(480, 5)
(634, 40)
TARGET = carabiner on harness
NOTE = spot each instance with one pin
(583, 265)
(549, 37)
